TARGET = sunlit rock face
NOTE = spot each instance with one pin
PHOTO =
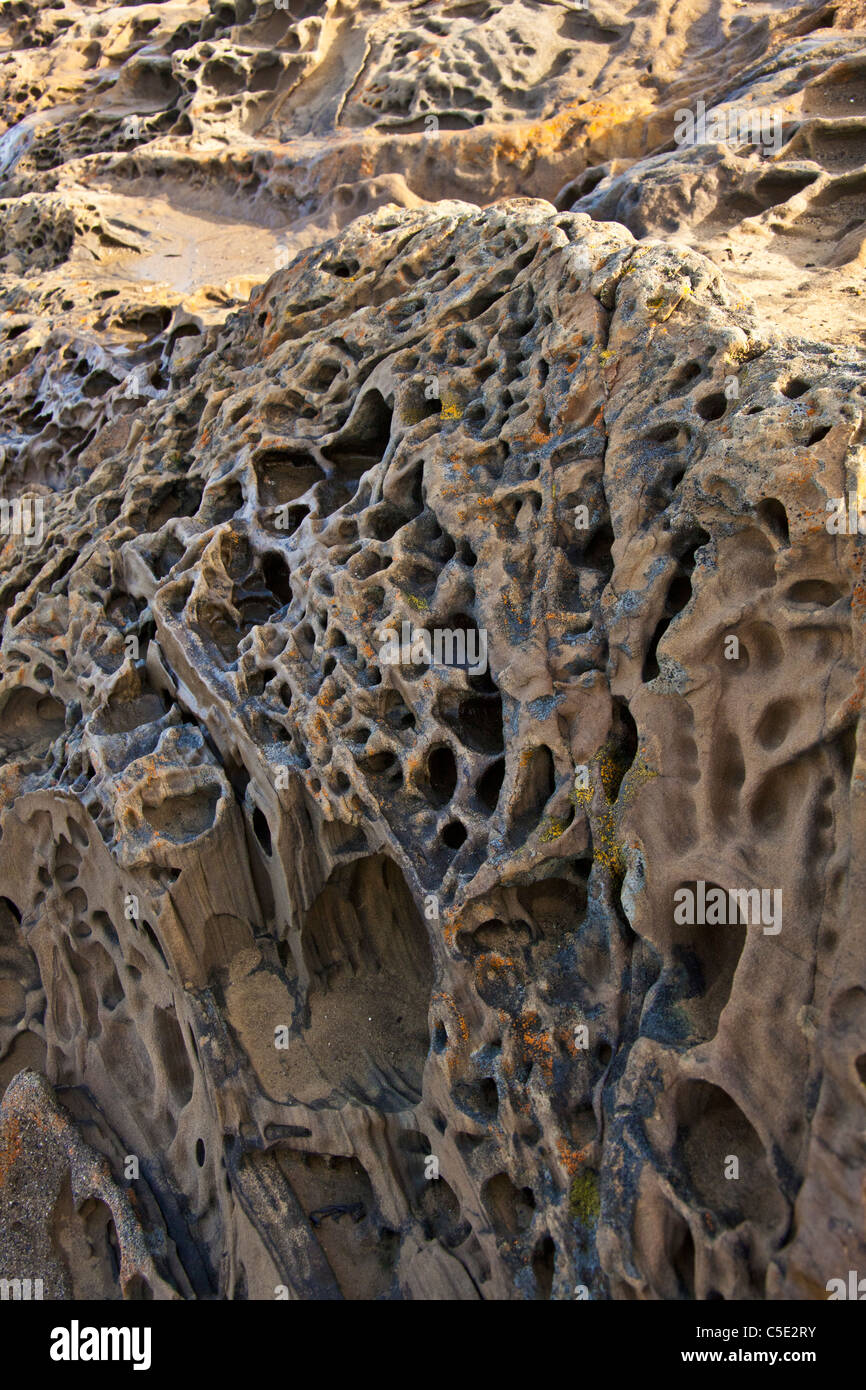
(431, 672)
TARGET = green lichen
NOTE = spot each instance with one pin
(584, 1200)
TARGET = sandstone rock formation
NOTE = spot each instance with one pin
(355, 978)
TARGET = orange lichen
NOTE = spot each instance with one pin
(11, 1148)
(570, 1158)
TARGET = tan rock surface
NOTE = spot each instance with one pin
(375, 969)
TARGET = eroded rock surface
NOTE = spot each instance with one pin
(362, 979)
(61, 1213)
(395, 864)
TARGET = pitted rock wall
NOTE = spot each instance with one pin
(287, 921)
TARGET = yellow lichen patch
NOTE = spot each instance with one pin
(582, 796)
(606, 846)
(638, 774)
(414, 601)
(552, 829)
(611, 766)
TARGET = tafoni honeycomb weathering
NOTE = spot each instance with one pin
(429, 711)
